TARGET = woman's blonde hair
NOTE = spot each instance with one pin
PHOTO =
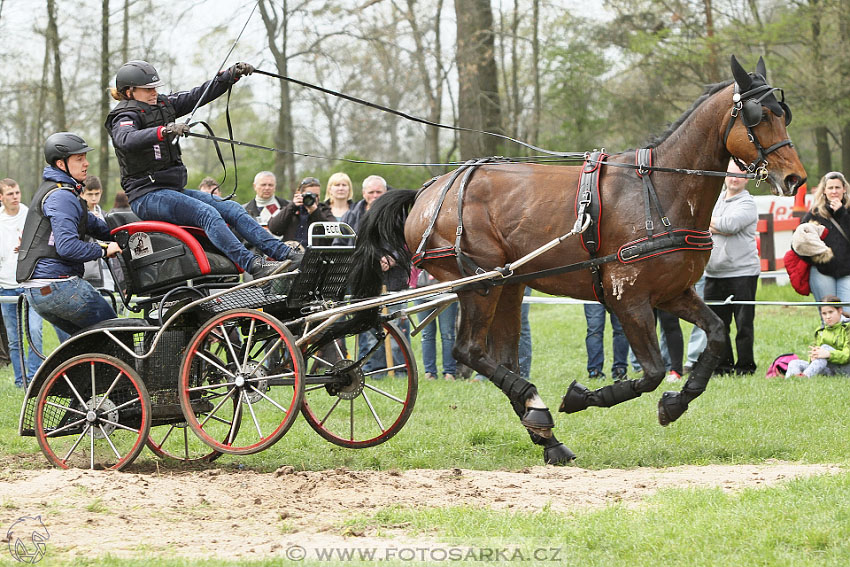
(820, 206)
(338, 176)
(116, 94)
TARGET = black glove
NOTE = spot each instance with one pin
(296, 258)
(241, 69)
(174, 129)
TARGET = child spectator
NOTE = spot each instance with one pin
(830, 355)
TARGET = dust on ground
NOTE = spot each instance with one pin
(247, 514)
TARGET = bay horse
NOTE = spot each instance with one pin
(508, 210)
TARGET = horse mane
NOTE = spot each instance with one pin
(709, 91)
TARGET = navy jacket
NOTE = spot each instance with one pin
(65, 212)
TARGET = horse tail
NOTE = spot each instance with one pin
(381, 234)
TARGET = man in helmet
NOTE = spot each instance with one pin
(53, 246)
(145, 133)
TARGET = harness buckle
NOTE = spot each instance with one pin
(736, 108)
(585, 198)
(665, 221)
(459, 231)
(650, 225)
(761, 173)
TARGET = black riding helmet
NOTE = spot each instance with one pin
(63, 145)
(137, 73)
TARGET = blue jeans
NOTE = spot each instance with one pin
(827, 285)
(10, 320)
(525, 340)
(698, 340)
(196, 208)
(447, 321)
(71, 305)
(379, 359)
(595, 313)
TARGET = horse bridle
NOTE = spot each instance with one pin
(749, 106)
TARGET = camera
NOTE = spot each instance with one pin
(308, 199)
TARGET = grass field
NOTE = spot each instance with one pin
(469, 425)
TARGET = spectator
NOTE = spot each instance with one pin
(146, 138)
(698, 340)
(52, 251)
(447, 321)
(395, 276)
(829, 208)
(96, 272)
(733, 269)
(292, 222)
(339, 194)
(210, 185)
(265, 204)
(671, 332)
(594, 314)
(121, 203)
(12, 218)
(830, 354)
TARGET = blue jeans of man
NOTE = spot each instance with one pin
(379, 359)
(525, 339)
(10, 320)
(70, 305)
(698, 340)
(196, 208)
(595, 313)
(447, 321)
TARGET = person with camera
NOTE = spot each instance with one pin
(292, 222)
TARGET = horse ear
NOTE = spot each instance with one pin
(741, 77)
(760, 68)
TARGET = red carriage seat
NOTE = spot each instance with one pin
(159, 255)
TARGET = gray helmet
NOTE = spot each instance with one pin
(63, 145)
(137, 74)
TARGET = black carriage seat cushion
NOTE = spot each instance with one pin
(323, 276)
(175, 255)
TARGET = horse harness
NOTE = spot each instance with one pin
(588, 202)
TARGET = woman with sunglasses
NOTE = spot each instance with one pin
(830, 209)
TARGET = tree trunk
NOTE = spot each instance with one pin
(58, 91)
(125, 36)
(104, 96)
(478, 89)
(534, 134)
(713, 71)
(821, 132)
(433, 89)
(823, 151)
(277, 27)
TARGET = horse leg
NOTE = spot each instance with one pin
(639, 326)
(481, 346)
(690, 307)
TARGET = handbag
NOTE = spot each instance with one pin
(798, 272)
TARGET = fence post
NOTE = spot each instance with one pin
(768, 246)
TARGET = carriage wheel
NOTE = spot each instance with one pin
(241, 364)
(368, 401)
(93, 411)
(177, 441)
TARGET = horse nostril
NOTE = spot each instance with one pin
(794, 182)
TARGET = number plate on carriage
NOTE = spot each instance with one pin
(140, 245)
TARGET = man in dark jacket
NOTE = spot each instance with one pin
(292, 222)
(53, 246)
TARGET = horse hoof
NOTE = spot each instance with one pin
(575, 399)
(538, 418)
(558, 455)
(670, 408)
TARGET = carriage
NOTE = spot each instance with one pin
(209, 365)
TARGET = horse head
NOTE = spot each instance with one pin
(756, 131)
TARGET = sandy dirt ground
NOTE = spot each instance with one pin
(245, 514)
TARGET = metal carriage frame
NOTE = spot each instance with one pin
(210, 371)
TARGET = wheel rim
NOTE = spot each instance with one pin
(364, 405)
(92, 412)
(242, 364)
